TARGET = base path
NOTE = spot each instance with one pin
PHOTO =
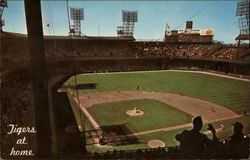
(190, 105)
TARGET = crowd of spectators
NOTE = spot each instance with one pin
(14, 52)
(15, 86)
(87, 49)
(15, 49)
(161, 49)
(15, 104)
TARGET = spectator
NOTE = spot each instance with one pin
(239, 144)
(194, 144)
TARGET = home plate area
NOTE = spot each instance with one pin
(156, 143)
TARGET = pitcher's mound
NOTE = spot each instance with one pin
(156, 143)
(134, 113)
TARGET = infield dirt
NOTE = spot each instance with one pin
(191, 105)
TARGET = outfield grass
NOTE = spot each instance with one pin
(233, 94)
(156, 114)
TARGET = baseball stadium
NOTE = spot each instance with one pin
(117, 97)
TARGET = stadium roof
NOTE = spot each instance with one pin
(90, 38)
(76, 37)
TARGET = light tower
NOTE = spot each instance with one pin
(3, 4)
(76, 14)
(243, 14)
(127, 29)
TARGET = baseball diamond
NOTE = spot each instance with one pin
(166, 98)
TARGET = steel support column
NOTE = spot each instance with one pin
(38, 77)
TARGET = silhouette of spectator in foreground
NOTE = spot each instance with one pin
(239, 143)
(238, 134)
(194, 144)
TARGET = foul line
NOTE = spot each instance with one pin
(88, 115)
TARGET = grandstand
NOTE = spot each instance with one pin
(114, 65)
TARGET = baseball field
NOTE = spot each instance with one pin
(161, 103)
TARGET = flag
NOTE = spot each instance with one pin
(167, 26)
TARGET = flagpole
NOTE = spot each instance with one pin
(49, 29)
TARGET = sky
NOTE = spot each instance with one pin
(101, 18)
